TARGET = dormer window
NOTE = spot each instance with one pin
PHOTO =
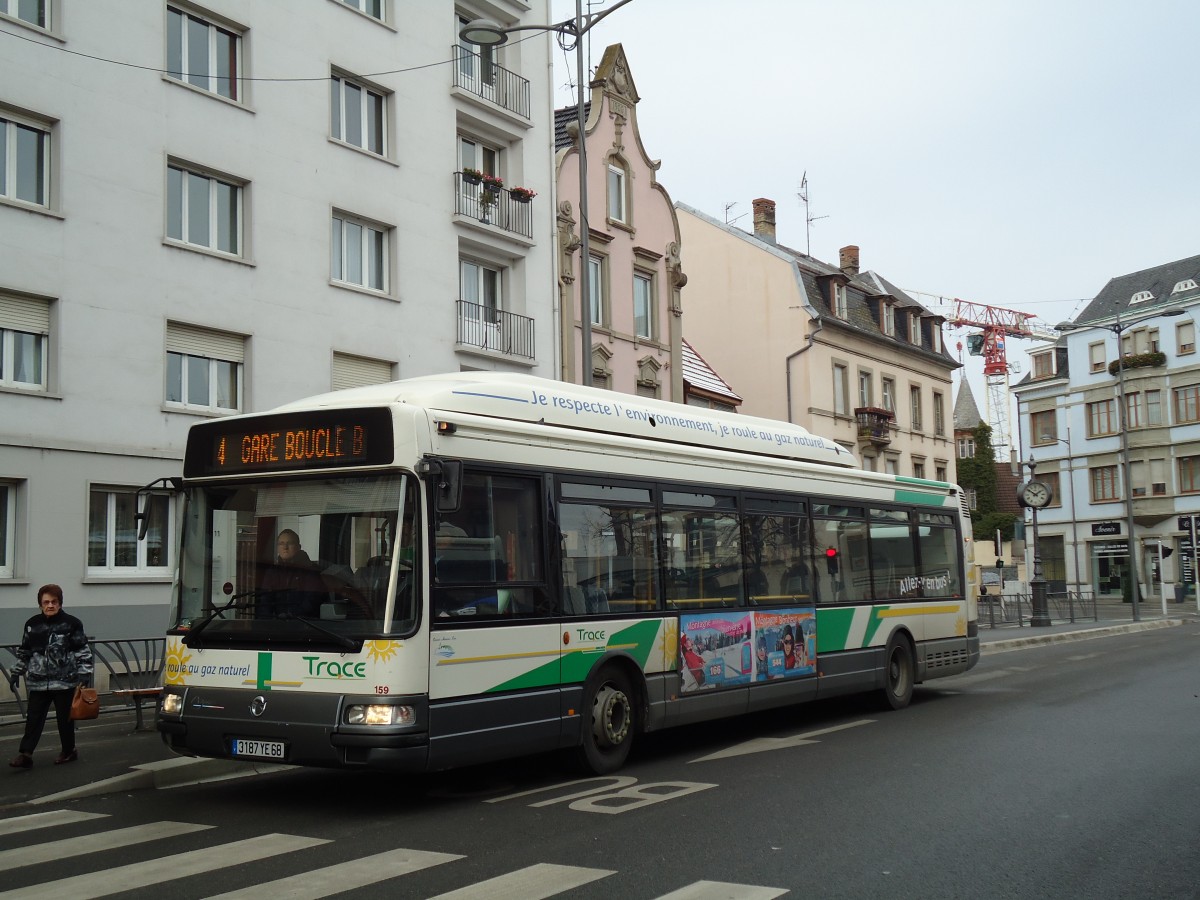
(1043, 364)
(840, 304)
(935, 336)
(1141, 297)
(1188, 284)
(889, 318)
(914, 329)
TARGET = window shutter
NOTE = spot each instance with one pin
(358, 371)
(24, 314)
(196, 341)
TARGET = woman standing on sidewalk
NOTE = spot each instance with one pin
(54, 657)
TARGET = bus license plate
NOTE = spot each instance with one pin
(259, 749)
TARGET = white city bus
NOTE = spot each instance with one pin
(493, 565)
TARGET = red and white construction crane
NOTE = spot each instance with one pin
(996, 326)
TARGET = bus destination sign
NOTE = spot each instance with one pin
(320, 439)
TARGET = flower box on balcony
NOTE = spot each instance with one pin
(472, 176)
(1138, 361)
(493, 183)
(522, 194)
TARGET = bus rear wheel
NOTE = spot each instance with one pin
(610, 723)
(899, 672)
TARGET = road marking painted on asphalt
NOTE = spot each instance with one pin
(720, 890)
(93, 843)
(531, 883)
(346, 876)
(157, 871)
(46, 820)
(758, 745)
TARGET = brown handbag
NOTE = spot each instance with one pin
(85, 704)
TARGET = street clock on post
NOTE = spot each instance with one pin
(1034, 494)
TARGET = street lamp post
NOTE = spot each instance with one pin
(1117, 327)
(486, 35)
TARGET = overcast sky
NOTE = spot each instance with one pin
(1016, 153)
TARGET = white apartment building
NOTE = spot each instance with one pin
(1137, 337)
(214, 208)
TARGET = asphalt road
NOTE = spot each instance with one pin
(1066, 770)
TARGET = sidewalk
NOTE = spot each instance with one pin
(114, 758)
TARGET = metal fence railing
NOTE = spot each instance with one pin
(1015, 608)
(127, 672)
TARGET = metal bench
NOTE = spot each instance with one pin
(135, 670)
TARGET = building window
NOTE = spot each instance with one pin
(479, 289)
(357, 114)
(865, 389)
(1133, 410)
(24, 343)
(940, 471)
(1185, 338)
(889, 319)
(841, 388)
(840, 303)
(24, 160)
(617, 206)
(1189, 474)
(8, 515)
(203, 54)
(889, 394)
(32, 12)
(972, 498)
(918, 468)
(643, 305)
(939, 414)
(596, 290)
(1187, 404)
(1043, 427)
(1098, 356)
(914, 401)
(1154, 407)
(358, 371)
(914, 329)
(1102, 418)
(935, 336)
(113, 544)
(359, 252)
(966, 447)
(372, 8)
(204, 210)
(891, 465)
(1043, 364)
(204, 369)
(1104, 484)
(1051, 480)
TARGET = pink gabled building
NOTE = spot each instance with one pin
(635, 276)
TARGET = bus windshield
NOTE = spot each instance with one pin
(308, 562)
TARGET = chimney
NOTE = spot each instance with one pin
(849, 260)
(764, 219)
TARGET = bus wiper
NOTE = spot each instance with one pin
(341, 639)
(235, 602)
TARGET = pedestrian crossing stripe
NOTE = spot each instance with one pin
(542, 880)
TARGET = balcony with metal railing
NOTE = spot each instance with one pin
(506, 89)
(509, 210)
(484, 328)
(874, 425)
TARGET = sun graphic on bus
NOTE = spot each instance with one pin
(382, 651)
(668, 642)
(175, 663)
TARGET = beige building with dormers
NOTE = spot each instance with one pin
(840, 351)
(634, 272)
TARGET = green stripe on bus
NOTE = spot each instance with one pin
(542, 676)
(925, 482)
(873, 624)
(920, 498)
(833, 628)
(264, 671)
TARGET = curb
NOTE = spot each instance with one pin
(1086, 634)
(167, 773)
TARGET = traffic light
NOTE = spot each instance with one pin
(831, 560)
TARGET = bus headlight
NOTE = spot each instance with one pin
(380, 714)
(172, 704)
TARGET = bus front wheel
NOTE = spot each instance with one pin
(610, 723)
(899, 672)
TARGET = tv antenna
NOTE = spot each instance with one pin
(728, 207)
(802, 194)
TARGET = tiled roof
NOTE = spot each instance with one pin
(1159, 281)
(564, 117)
(966, 410)
(699, 374)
